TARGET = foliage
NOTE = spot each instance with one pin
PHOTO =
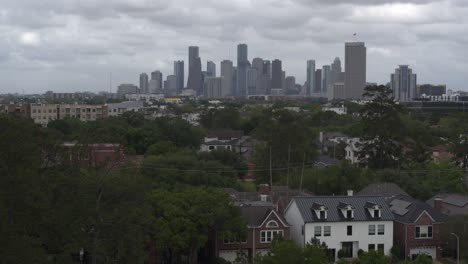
(289, 252)
(374, 257)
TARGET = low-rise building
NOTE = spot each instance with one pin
(116, 109)
(92, 154)
(343, 223)
(417, 227)
(44, 113)
(221, 140)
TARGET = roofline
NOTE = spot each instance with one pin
(312, 222)
(424, 211)
(277, 216)
(413, 223)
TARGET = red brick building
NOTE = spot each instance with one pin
(92, 154)
(263, 225)
(417, 227)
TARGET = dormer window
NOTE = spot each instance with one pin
(323, 215)
(346, 210)
(374, 210)
(377, 213)
(349, 214)
(320, 211)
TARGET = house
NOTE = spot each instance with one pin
(388, 190)
(450, 203)
(352, 150)
(223, 139)
(264, 224)
(339, 110)
(441, 153)
(344, 223)
(328, 141)
(417, 227)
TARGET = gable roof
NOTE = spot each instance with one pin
(408, 210)
(225, 134)
(333, 203)
(386, 189)
(255, 216)
(456, 199)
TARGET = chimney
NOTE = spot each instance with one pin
(263, 189)
(350, 192)
(438, 204)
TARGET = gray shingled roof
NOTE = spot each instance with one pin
(412, 209)
(333, 203)
(460, 200)
(385, 189)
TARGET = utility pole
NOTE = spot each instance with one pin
(271, 173)
(302, 172)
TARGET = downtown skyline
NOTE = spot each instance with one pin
(76, 48)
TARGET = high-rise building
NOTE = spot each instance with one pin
(126, 88)
(157, 76)
(170, 85)
(227, 72)
(335, 71)
(276, 74)
(318, 82)
(290, 85)
(195, 81)
(283, 80)
(252, 77)
(144, 83)
(326, 78)
(257, 64)
(242, 66)
(432, 90)
(267, 76)
(213, 87)
(355, 69)
(310, 77)
(211, 68)
(179, 73)
(403, 84)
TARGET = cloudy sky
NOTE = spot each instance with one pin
(74, 45)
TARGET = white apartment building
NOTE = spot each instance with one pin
(346, 223)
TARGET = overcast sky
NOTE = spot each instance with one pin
(73, 45)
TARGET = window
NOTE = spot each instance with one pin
(349, 230)
(371, 230)
(267, 236)
(371, 247)
(272, 223)
(381, 230)
(326, 230)
(322, 214)
(349, 213)
(423, 231)
(376, 213)
(317, 231)
(380, 248)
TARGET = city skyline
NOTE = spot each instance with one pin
(78, 47)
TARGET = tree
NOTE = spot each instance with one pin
(374, 257)
(287, 251)
(382, 128)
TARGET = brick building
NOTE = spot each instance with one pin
(92, 154)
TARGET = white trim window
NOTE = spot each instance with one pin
(317, 231)
(327, 231)
(424, 231)
(371, 230)
(266, 236)
(381, 229)
(272, 223)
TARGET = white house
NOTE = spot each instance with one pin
(346, 223)
(340, 110)
(352, 150)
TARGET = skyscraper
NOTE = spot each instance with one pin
(310, 77)
(290, 86)
(170, 85)
(326, 78)
(179, 73)
(211, 68)
(144, 83)
(267, 76)
(252, 81)
(213, 87)
(318, 82)
(335, 71)
(403, 84)
(276, 74)
(242, 66)
(260, 87)
(227, 72)
(355, 69)
(157, 82)
(195, 81)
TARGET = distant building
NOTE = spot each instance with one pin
(222, 140)
(213, 87)
(117, 109)
(92, 154)
(170, 87)
(355, 67)
(227, 72)
(318, 82)
(195, 81)
(44, 113)
(326, 78)
(403, 84)
(450, 203)
(276, 73)
(157, 76)
(310, 77)
(211, 68)
(242, 67)
(336, 91)
(144, 83)
(124, 89)
(179, 73)
(290, 84)
(432, 90)
(252, 76)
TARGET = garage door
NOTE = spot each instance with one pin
(431, 251)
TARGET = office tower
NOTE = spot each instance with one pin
(403, 84)
(267, 76)
(211, 68)
(179, 73)
(310, 77)
(283, 80)
(290, 85)
(170, 85)
(257, 64)
(157, 77)
(242, 66)
(432, 90)
(336, 65)
(213, 87)
(227, 72)
(195, 81)
(326, 78)
(318, 82)
(276, 74)
(355, 69)
(144, 83)
(125, 88)
(252, 77)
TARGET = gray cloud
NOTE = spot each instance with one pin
(73, 45)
